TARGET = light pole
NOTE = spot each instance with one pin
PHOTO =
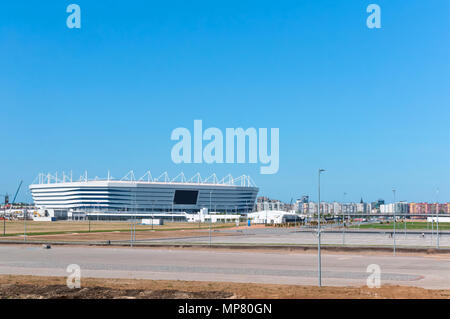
(131, 232)
(246, 207)
(210, 218)
(266, 207)
(318, 235)
(432, 231)
(135, 217)
(25, 225)
(437, 218)
(343, 220)
(404, 220)
(393, 191)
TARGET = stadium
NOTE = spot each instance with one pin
(158, 197)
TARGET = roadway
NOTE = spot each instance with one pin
(292, 236)
(300, 268)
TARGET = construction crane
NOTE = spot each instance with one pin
(17, 191)
(14, 199)
(10, 207)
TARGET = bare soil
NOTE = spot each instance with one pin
(26, 287)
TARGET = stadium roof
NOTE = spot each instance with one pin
(243, 180)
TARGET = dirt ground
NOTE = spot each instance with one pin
(26, 287)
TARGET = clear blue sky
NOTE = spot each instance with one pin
(370, 106)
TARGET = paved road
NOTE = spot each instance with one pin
(232, 266)
(292, 236)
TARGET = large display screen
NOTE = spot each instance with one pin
(183, 197)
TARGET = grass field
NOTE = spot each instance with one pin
(401, 225)
(13, 228)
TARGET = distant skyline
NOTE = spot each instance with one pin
(371, 106)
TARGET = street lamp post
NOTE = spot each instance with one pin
(266, 208)
(395, 208)
(437, 218)
(343, 220)
(319, 237)
(210, 218)
(135, 216)
(432, 231)
(25, 225)
(131, 232)
(404, 220)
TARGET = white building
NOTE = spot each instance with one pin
(264, 203)
(400, 208)
(440, 219)
(273, 217)
(213, 217)
(145, 195)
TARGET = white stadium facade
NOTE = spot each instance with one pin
(160, 197)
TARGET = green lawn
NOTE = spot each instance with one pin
(400, 225)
